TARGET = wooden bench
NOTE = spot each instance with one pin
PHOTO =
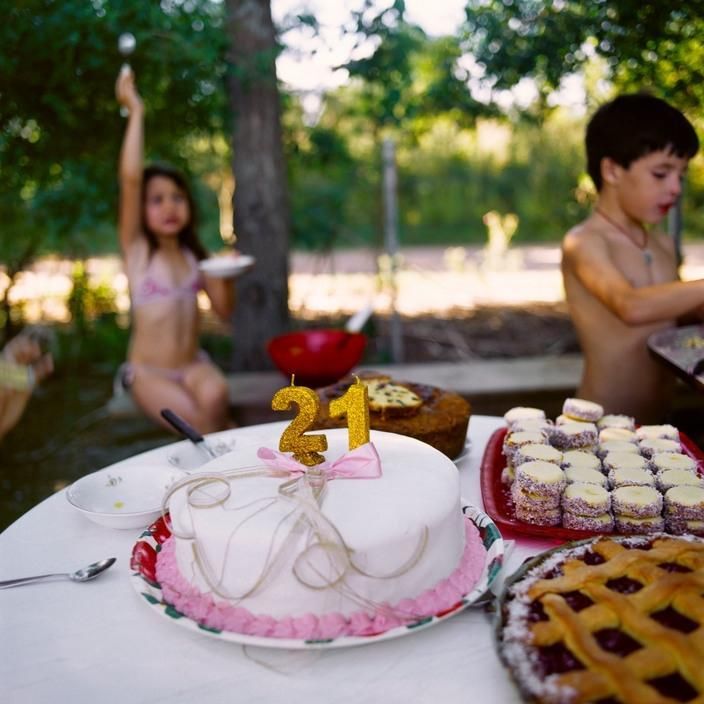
(486, 383)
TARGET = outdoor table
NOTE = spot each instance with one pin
(99, 642)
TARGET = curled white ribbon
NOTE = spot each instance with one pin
(326, 558)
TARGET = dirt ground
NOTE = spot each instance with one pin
(488, 332)
(505, 312)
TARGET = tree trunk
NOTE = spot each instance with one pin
(261, 216)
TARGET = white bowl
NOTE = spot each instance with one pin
(226, 266)
(123, 496)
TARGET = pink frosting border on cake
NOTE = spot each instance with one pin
(187, 599)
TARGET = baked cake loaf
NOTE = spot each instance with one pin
(426, 413)
(367, 555)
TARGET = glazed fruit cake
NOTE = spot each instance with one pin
(608, 620)
(427, 413)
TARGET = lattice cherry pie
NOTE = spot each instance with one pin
(609, 620)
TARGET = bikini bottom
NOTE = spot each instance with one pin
(128, 370)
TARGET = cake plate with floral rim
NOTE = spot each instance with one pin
(143, 578)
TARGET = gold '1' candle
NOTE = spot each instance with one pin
(306, 448)
(355, 405)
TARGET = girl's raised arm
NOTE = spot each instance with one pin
(131, 161)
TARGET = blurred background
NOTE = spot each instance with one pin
(278, 112)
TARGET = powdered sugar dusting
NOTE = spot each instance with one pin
(517, 637)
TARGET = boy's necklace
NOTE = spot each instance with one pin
(647, 254)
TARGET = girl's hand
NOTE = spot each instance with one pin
(126, 90)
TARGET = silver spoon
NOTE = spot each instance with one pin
(82, 575)
(126, 44)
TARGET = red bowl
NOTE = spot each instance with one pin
(317, 357)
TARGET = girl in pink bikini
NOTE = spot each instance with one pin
(161, 251)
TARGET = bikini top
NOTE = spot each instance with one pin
(151, 288)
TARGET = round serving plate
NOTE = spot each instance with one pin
(226, 266)
(144, 581)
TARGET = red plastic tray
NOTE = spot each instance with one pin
(497, 497)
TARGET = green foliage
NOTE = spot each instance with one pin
(443, 197)
(408, 82)
(442, 82)
(646, 45)
(100, 344)
(60, 128)
(409, 75)
(322, 175)
(386, 97)
(88, 301)
(658, 47)
(447, 180)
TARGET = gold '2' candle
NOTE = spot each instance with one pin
(355, 405)
(306, 448)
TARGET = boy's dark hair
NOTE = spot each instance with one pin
(188, 237)
(635, 125)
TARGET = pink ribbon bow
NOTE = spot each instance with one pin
(361, 463)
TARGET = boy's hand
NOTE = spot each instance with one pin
(126, 90)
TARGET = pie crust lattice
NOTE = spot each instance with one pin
(609, 620)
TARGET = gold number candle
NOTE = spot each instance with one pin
(355, 405)
(306, 448)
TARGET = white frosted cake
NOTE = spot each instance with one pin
(246, 557)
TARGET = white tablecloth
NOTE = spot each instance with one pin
(98, 641)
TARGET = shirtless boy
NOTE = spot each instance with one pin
(619, 271)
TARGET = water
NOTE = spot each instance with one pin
(64, 434)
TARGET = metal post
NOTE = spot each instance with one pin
(391, 244)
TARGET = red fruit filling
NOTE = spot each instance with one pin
(577, 600)
(558, 658)
(671, 618)
(674, 686)
(624, 585)
(616, 641)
